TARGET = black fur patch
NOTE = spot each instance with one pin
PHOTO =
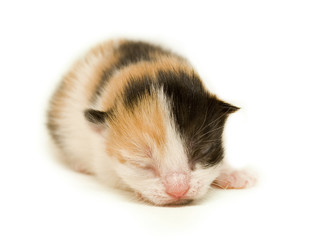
(137, 89)
(133, 52)
(198, 116)
(129, 52)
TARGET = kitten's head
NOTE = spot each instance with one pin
(165, 137)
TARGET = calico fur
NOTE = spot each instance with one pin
(138, 116)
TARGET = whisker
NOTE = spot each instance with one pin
(212, 122)
(225, 113)
(209, 132)
(200, 128)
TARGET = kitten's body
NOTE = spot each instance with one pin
(137, 116)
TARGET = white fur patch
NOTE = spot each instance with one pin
(149, 182)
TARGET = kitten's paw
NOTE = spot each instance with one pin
(234, 179)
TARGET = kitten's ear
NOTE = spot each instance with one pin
(97, 119)
(227, 108)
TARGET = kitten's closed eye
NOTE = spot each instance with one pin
(142, 166)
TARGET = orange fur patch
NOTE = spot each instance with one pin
(139, 132)
(136, 71)
(142, 130)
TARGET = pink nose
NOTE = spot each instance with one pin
(177, 184)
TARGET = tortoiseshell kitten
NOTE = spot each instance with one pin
(138, 116)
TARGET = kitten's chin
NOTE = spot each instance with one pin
(159, 202)
(172, 203)
(179, 202)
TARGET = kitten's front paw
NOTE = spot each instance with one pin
(234, 179)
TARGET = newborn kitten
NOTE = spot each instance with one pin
(137, 116)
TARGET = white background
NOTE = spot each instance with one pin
(259, 55)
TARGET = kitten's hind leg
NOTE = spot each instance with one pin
(230, 178)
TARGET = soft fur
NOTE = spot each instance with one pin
(138, 116)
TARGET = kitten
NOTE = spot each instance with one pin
(137, 116)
